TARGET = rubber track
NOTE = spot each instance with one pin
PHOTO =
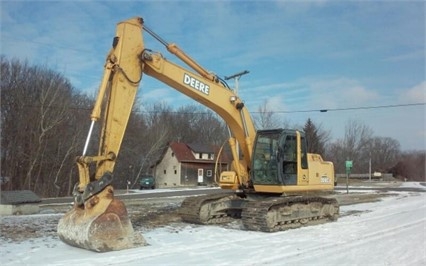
(190, 208)
(255, 213)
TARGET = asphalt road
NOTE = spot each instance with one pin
(121, 194)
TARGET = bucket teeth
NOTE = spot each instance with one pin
(101, 224)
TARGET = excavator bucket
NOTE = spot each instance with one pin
(101, 224)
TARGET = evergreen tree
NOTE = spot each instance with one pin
(315, 137)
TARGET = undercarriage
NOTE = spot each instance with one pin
(263, 213)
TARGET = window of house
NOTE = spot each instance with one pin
(200, 156)
(173, 154)
(209, 173)
(175, 172)
(164, 171)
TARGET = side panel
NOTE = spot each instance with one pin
(321, 172)
(288, 189)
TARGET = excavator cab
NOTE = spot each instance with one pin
(278, 154)
(282, 164)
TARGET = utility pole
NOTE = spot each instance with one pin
(369, 167)
(237, 77)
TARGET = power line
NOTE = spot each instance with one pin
(351, 108)
(280, 112)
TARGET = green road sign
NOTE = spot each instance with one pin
(349, 165)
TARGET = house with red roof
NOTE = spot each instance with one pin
(184, 164)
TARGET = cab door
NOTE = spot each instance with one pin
(293, 163)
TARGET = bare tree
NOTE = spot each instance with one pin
(355, 146)
(335, 152)
(71, 141)
(357, 143)
(145, 138)
(37, 128)
(153, 151)
(360, 146)
(52, 109)
(196, 124)
(212, 129)
(384, 153)
(266, 118)
(411, 166)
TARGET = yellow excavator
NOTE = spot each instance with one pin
(274, 183)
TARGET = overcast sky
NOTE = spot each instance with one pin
(302, 55)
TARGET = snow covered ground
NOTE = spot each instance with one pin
(389, 232)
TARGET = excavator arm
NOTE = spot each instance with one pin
(99, 221)
(117, 92)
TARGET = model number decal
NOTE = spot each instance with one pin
(196, 84)
(325, 179)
